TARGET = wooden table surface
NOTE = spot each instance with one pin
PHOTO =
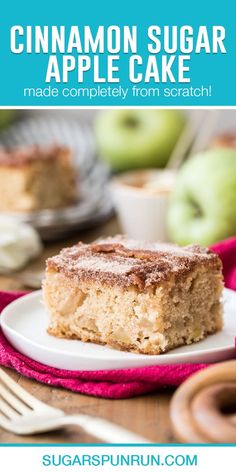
(147, 415)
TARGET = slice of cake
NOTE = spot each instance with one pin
(136, 296)
(36, 178)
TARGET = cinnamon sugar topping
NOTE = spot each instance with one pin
(128, 262)
(19, 156)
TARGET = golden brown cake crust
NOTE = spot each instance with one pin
(127, 262)
(20, 156)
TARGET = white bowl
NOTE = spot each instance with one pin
(142, 209)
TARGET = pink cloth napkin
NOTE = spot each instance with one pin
(122, 383)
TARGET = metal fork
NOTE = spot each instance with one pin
(23, 414)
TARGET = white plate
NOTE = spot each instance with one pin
(24, 324)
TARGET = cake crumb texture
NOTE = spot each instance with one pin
(140, 297)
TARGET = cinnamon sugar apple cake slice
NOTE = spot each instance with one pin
(36, 178)
(136, 296)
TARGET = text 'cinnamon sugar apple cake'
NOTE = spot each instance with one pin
(135, 296)
(35, 178)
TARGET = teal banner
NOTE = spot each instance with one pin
(118, 54)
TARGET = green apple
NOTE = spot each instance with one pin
(131, 139)
(6, 116)
(203, 203)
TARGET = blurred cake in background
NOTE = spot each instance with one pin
(35, 178)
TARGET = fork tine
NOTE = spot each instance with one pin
(20, 392)
(7, 410)
(13, 400)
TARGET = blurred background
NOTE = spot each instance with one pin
(88, 116)
(154, 174)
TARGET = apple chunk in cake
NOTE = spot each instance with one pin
(136, 296)
(35, 178)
